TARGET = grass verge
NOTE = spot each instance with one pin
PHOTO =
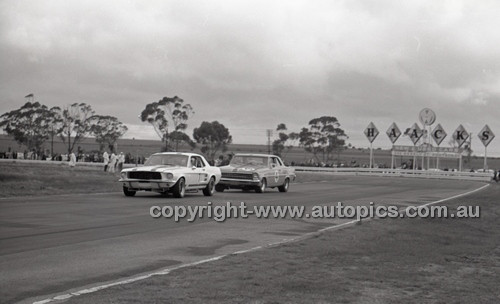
(379, 261)
(26, 179)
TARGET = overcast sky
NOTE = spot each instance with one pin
(254, 64)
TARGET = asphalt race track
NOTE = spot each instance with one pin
(52, 244)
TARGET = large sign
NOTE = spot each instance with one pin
(427, 154)
(427, 148)
(428, 151)
(438, 134)
(486, 135)
(371, 132)
(393, 132)
(428, 117)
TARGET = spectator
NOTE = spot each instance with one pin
(112, 162)
(105, 156)
(121, 160)
(72, 160)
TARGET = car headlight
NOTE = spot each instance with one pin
(123, 175)
(255, 176)
(170, 176)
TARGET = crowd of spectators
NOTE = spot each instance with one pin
(90, 157)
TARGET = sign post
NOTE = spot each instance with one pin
(393, 133)
(438, 134)
(415, 134)
(371, 132)
(486, 136)
(427, 117)
(460, 136)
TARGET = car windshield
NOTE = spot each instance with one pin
(167, 160)
(239, 160)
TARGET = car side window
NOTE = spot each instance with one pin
(199, 162)
(280, 163)
(274, 162)
(193, 161)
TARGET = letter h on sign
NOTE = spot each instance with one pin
(371, 132)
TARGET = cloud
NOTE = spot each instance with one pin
(254, 64)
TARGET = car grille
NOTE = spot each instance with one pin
(144, 175)
(243, 176)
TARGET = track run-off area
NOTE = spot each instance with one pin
(58, 245)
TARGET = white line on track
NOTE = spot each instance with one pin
(166, 271)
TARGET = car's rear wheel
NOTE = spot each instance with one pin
(285, 186)
(220, 188)
(262, 187)
(128, 192)
(179, 189)
(210, 188)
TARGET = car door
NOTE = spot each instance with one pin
(279, 174)
(201, 169)
(192, 174)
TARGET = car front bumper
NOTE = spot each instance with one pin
(147, 185)
(239, 182)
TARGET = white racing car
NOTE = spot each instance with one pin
(171, 172)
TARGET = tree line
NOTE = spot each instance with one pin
(34, 124)
(322, 137)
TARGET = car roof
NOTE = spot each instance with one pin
(177, 153)
(255, 154)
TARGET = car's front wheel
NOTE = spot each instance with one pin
(219, 188)
(262, 187)
(285, 186)
(128, 192)
(210, 188)
(179, 189)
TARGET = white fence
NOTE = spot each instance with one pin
(400, 173)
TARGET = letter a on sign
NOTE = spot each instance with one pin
(393, 132)
(460, 135)
(415, 133)
(438, 134)
(371, 132)
(486, 135)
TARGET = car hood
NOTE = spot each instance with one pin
(242, 168)
(159, 168)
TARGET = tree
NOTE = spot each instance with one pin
(323, 136)
(55, 126)
(285, 141)
(181, 137)
(169, 112)
(76, 124)
(107, 130)
(214, 137)
(29, 125)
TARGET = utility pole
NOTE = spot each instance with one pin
(269, 133)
